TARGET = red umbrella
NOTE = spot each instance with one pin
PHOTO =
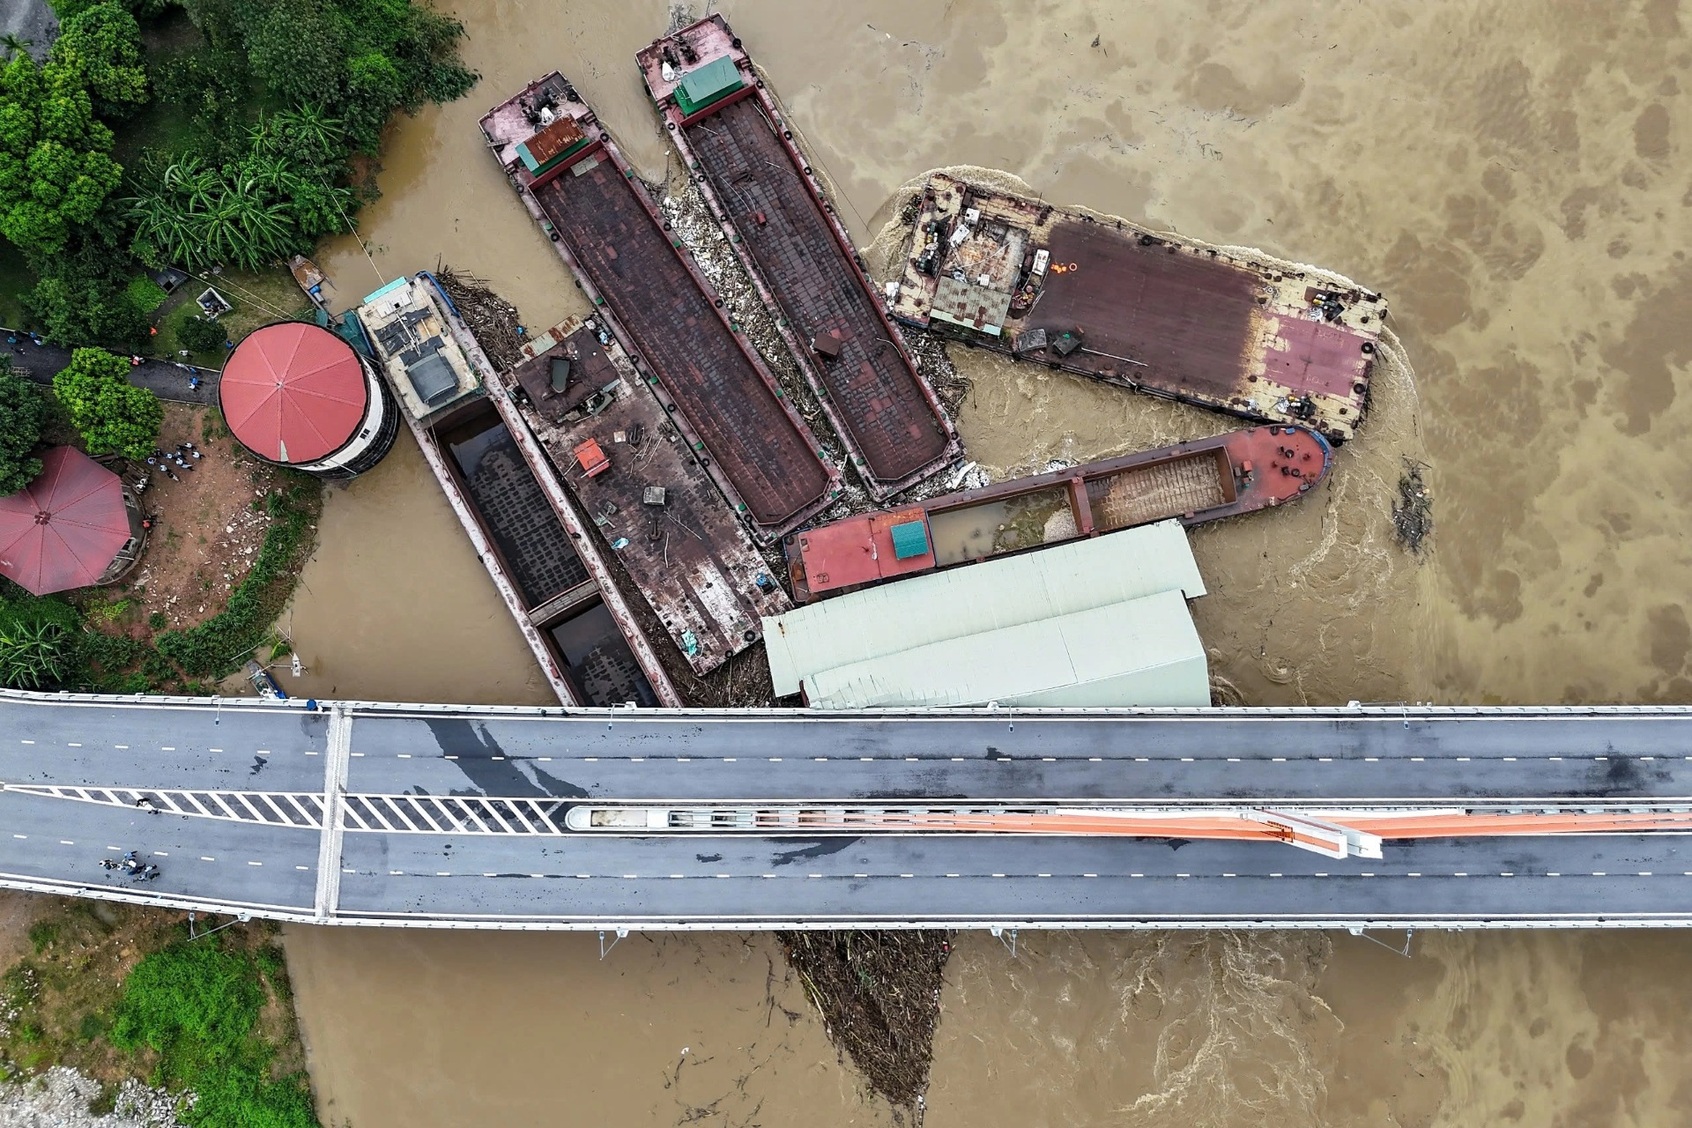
(66, 527)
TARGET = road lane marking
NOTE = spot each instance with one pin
(32, 742)
(546, 759)
(204, 858)
(255, 863)
(167, 748)
(302, 867)
(309, 752)
(361, 753)
(214, 750)
(160, 854)
(66, 842)
(73, 744)
(262, 752)
(405, 755)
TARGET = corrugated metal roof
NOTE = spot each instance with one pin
(975, 598)
(1138, 652)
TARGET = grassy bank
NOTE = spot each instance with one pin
(119, 991)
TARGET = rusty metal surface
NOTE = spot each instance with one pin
(874, 388)
(691, 557)
(1186, 318)
(1149, 310)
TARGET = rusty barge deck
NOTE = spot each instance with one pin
(585, 196)
(641, 485)
(731, 134)
(1139, 309)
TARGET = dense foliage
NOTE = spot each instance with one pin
(275, 200)
(22, 417)
(112, 415)
(55, 163)
(101, 44)
(201, 334)
(197, 1004)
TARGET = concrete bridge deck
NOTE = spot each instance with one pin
(286, 814)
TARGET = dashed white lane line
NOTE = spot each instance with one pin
(207, 858)
(26, 742)
(255, 863)
(167, 748)
(302, 867)
(214, 750)
(261, 752)
(309, 752)
(160, 854)
(66, 842)
(73, 744)
(405, 755)
(355, 753)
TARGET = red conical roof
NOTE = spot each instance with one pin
(65, 528)
(292, 392)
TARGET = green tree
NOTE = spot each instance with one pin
(296, 46)
(55, 171)
(35, 655)
(22, 417)
(201, 334)
(113, 415)
(102, 44)
(82, 294)
(13, 44)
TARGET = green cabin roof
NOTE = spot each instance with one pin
(707, 84)
(909, 539)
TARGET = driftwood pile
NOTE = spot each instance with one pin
(1412, 513)
(879, 994)
(492, 320)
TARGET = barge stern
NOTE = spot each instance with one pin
(738, 147)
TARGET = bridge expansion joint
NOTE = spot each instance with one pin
(337, 758)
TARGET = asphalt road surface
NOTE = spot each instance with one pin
(731, 881)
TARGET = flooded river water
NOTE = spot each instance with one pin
(1513, 177)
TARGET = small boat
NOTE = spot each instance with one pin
(264, 683)
(309, 278)
(1204, 480)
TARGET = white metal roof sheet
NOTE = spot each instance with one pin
(974, 598)
(1138, 652)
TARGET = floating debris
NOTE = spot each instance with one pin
(1412, 513)
(879, 995)
(493, 321)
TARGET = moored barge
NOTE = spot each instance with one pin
(582, 192)
(1140, 309)
(782, 227)
(650, 502)
(1203, 480)
(525, 530)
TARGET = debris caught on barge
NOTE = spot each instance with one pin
(740, 152)
(490, 318)
(722, 397)
(1137, 308)
(879, 996)
(642, 486)
(1204, 480)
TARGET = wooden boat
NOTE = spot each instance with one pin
(1204, 480)
(309, 278)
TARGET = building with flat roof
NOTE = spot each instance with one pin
(297, 395)
(1057, 587)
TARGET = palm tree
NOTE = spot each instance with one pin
(13, 45)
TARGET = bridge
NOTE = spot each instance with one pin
(521, 818)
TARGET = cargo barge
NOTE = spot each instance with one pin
(1203, 480)
(782, 227)
(642, 487)
(1140, 309)
(577, 185)
(534, 545)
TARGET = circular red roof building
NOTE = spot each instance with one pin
(75, 525)
(298, 395)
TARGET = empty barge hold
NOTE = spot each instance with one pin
(644, 490)
(733, 138)
(584, 195)
(1139, 309)
(1204, 480)
(525, 530)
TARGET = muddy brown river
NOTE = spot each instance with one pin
(1513, 176)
